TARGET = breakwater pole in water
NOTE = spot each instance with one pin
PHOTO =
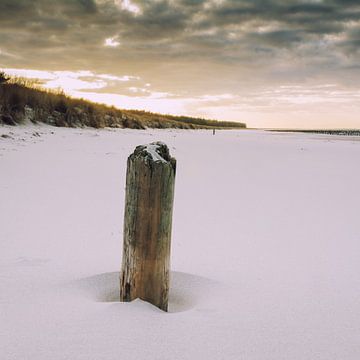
(145, 270)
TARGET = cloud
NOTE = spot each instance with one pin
(168, 30)
(186, 47)
(7, 54)
(112, 42)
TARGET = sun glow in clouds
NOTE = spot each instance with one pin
(70, 80)
(128, 5)
(78, 83)
(111, 42)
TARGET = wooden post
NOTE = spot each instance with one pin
(149, 198)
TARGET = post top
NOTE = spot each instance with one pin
(155, 152)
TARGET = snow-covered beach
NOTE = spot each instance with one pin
(265, 247)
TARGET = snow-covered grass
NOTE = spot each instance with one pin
(265, 248)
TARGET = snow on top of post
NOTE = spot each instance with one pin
(154, 150)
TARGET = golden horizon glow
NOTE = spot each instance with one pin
(269, 64)
(327, 101)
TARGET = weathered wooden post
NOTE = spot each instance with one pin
(149, 198)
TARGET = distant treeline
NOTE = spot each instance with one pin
(22, 100)
(204, 123)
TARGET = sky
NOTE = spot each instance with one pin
(268, 63)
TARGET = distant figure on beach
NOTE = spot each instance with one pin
(213, 131)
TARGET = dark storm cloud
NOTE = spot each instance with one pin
(322, 18)
(25, 11)
(159, 20)
(71, 33)
(352, 43)
(280, 38)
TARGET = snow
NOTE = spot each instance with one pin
(265, 247)
(152, 149)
